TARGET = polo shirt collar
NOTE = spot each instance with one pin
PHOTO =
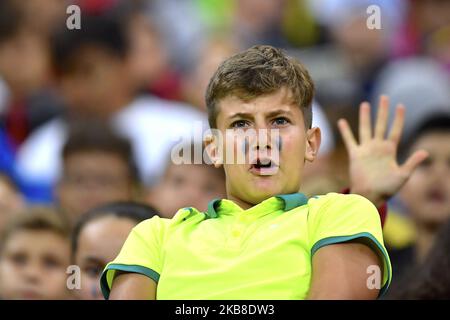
(285, 202)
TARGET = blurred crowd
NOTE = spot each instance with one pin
(88, 119)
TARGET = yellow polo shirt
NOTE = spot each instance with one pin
(264, 252)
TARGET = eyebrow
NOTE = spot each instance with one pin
(272, 113)
(90, 259)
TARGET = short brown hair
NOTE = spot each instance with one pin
(99, 136)
(258, 71)
(36, 219)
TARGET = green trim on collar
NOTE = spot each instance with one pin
(293, 200)
(211, 212)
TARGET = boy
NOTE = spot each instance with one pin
(266, 240)
(97, 239)
(186, 185)
(98, 167)
(34, 256)
(426, 196)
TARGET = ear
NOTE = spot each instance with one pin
(313, 139)
(212, 149)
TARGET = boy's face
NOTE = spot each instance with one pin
(427, 192)
(99, 243)
(187, 185)
(247, 183)
(91, 85)
(24, 62)
(93, 178)
(33, 266)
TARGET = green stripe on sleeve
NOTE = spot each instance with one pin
(109, 272)
(340, 239)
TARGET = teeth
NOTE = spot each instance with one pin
(265, 164)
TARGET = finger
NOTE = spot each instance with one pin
(397, 126)
(414, 160)
(347, 134)
(365, 128)
(382, 118)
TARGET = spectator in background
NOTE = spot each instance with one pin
(98, 167)
(426, 196)
(345, 67)
(34, 256)
(97, 239)
(200, 71)
(26, 99)
(25, 72)
(257, 22)
(431, 279)
(96, 82)
(148, 58)
(187, 184)
(424, 20)
(11, 202)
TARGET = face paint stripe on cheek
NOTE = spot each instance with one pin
(279, 143)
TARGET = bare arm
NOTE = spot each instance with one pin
(339, 271)
(132, 286)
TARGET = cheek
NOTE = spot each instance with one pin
(413, 189)
(292, 148)
(88, 286)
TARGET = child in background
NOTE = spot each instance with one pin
(97, 239)
(98, 167)
(430, 279)
(426, 196)
(187, 185)
(34, 256)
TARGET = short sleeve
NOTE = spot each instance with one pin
(337, 218)
(141, 253)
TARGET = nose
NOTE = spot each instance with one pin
(32, 274)
(265, 140)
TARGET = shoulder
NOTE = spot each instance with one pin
(337, 205)
(160, 226)
(39, 154)
(338, 200)
(154, 225)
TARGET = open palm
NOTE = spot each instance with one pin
(374, 170)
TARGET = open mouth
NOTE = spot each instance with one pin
(264, 167)
(436, 196)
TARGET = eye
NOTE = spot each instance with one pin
(93, 271)
(239, 124)
(178, 181)
(426, 163)
(19, 259)
(51, 263)
(280, 121)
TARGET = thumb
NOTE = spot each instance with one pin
(414, 160)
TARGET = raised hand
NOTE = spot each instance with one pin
(374, 170)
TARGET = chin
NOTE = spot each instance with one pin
(263, 192)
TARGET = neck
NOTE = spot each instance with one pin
(244, 205)
(119, 103)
